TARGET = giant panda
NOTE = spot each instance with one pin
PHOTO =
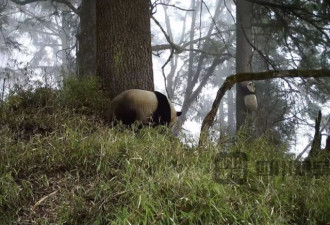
(146, 107)
(250, 99)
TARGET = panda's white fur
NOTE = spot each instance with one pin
(143, 106)
(250, 99)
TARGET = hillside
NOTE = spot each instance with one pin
(61, 164)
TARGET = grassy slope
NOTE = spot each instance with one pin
(63, 165)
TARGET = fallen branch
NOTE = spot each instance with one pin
(43, 199)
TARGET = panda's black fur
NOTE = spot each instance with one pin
(162, 115)
(147, 107)
(124, 113)
(246, 91)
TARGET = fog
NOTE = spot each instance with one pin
(39, 46)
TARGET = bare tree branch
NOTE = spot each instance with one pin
(233, 79)
(68, 4)
(173, 45)
(182, 47)
(298, 12)
(65, 2)
(174, 6)
(216, 27)
(24, 2)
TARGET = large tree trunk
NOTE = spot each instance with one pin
(123, 45)
(243, 53)
(86, 56)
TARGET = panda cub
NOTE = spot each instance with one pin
(250, 99)
(143, 106)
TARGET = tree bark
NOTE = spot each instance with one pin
(316, 144)
(65, 42)
(231, 113)
(233, 79)
(327, 144)
(123, 45)
(86, 56)
(243, 54)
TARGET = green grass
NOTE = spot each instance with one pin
(61, 164)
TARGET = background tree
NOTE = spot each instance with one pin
(86, 54)
(202, 53)
(301, 35)
(38, 41)
(243, 54)
(275, 29)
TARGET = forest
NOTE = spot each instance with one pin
(250, 77)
